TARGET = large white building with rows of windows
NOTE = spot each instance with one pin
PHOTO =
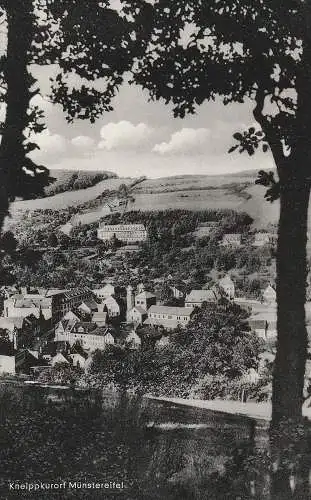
(129, 233)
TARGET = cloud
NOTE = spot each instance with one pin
(42, 103)
(83, 142)
(49, 143)
(123, 135)
(186, 140)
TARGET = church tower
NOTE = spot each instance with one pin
(129, 298)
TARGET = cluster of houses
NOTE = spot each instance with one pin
(45, 327)
(256, 240)
(259, 239)
(137, 233)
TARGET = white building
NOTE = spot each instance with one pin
(129, 233)
(59, 358)
(112, 307)
(168, 317)
(197, 297)
(7, 364)
(269, 294)
(264, 238)
(205, 229)
(105, 291)
(77, 360)
(136, 315)
(232, 240)
(87, 334)
(19, 306)
(133, 340)
(261, 239)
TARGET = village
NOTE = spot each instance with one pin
(44, 327)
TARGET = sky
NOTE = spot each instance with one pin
(140, 137)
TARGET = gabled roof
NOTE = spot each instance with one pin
(87, 326)
(99, 316)
(90, 303)
(75, 292)
(61, 357)
(110, 299)
(140, 309)
(67, 324)
(71, 316)
(201, 296)
(54, 291)
(32, 302)
(173, 311)
(24, 356)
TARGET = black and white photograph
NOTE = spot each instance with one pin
(155, 249)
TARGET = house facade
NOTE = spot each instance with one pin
(145, 300)
(128, 233)
(133, 340)
(89, 335)
(104, 292)
(77, 360)
(112, 307)
(136, 315)
(20, 306)
(168, 317)
(232, 239)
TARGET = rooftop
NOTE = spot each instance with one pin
(201, 296)
(174, 311)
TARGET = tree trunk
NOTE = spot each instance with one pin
(289, 369)
(18, 82)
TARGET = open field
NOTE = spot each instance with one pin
(190, 192)
(70, 198)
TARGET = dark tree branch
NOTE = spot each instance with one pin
(271, 134)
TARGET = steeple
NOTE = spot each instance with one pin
(129, 298)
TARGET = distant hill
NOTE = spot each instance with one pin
(191, 192)
(68, 180)
(234, 191)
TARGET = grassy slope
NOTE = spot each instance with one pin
(192, 192)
